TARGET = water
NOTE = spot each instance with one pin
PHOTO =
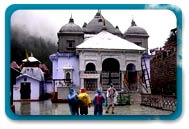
(48, 108)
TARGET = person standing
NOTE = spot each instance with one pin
(73, 102)
(98, 102)
(85, 101)
(111, 96)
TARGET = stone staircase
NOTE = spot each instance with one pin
(145, 90)
(135, 98)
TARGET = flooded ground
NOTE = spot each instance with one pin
(48, 108)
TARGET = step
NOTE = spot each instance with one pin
(135, 98)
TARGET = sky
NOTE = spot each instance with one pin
(46, 23)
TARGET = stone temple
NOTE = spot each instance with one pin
(97, 54)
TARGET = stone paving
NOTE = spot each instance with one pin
(48, 108)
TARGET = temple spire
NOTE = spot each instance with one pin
(99, 11)
(98, 14)
(133, 23)
(71, 19)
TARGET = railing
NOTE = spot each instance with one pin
(126, 88)
(90, 72)
(62, 82)
(169, 102)
(91, 87)
(165, 102)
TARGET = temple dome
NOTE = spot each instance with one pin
(97, 23)
(117, 31)
(135, 30)
(71, 27)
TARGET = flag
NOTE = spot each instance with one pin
(27, 56)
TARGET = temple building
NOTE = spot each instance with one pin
(96, 55)
(31, 84)
(105, 58)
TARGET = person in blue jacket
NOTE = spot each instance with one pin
(73, 102)
(98, 102)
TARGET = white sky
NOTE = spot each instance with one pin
(46, 23)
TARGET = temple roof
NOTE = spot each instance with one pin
(31, 59)
(106, 40)
(96, 25)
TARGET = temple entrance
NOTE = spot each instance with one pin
(131, 76)
(90, 83)
(110, 73)
(25, 90)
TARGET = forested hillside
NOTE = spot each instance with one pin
(22, 41)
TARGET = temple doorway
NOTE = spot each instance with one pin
(131, 75)
(25, 90)
(110, 73)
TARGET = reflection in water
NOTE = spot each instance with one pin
(48, 108)
(41, 108)
(23, 107)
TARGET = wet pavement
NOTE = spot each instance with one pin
(48, 108)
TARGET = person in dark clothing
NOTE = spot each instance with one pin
(98, 102)
(73, 102)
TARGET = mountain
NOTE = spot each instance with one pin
(41, 48)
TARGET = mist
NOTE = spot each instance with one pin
(34, 25)
(34, 36)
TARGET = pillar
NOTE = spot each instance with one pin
(122, 79)
(82, 83)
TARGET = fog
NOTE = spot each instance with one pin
(46, 23)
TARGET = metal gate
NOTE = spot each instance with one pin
(110, 77)
(90, 84)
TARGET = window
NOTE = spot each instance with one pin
(70, 44)
(25, 79)
(138, 43)
(90, 84)
(67, 76)
(90, 68)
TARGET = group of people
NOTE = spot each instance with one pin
(80, 102)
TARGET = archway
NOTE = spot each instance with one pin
(90, 83)
(110, 73)
(131, 76)
(90, 67)
(131, 67)
(68, 79)
(110, 65)
(67, 76)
